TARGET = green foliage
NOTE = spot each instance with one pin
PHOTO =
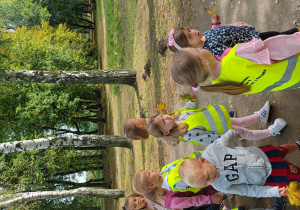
(46, 48)
(25, 105)
(32, 170)
(17, 13)
(78, 202)
(116, 90)
(29, 13)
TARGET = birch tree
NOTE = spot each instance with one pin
(121, 76)
(24, 197)
(66, 141)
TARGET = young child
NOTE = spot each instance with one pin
(150, 183)
(249, 171)
(203, 126)
(137, 201)
(136, 129)
(218, 39)
(248, 68)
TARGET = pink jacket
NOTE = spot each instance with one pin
(179, 200)
(267, 51)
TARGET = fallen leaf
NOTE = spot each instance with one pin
(208, 11)
(160, 106)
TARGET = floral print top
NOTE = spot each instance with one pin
(219, 39)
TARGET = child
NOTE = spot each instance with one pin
(248, 68)
(217, 40)
(137, 201)
(250, 171)
(136, 129)
(174, 200)
(203, 126)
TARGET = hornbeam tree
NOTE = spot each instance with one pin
(24, 197)
(124, 77)
(65, 141)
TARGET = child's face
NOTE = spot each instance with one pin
(138, 122)
(207, 173)
(154, 178)
(202, 53)
(193, 36)
(165, 123)
(136, 203)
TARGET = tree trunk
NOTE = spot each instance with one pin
(88, 148)
(101, 193)
(125, 77)
(78, 185)
(65, 141)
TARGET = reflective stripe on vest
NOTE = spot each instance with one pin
(292, 62)
(214, 118)
(283, 75)
(172, 180)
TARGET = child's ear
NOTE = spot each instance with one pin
(151, 186)
(205, 62)
(166, 133)
(202, 160)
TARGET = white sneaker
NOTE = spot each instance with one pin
(277, 126)
(264, 113)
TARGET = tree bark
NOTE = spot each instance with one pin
(79, 185)
(88, 148)
(102, 193)
(65, 141)
(78, 170)
(122, 76)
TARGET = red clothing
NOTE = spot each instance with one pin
(283, 172)
(178, 200)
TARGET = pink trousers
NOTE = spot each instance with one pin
(239, 124)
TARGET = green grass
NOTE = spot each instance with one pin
(120, 33)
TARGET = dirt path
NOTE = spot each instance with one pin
(153, 21)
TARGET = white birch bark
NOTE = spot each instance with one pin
(102, 193)
(65, 141)
(121, 76)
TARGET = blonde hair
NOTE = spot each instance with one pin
(177, 131)
(179, 38)
(187, 171)
(133, 132)
(187, 69)
(140, 185)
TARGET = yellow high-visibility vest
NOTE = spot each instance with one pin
(284, 75)
(172, 180)
(213, 118)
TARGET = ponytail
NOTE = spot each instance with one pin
(231, 88)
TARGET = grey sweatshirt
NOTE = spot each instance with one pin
(242, 170)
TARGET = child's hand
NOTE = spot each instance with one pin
(215, 18)
(195, 98)
(282, 191)
(218, 199)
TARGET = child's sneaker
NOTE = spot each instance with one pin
(279, 204)
(298, 143)
(264, 113)
(232, 114)
(277, 126)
